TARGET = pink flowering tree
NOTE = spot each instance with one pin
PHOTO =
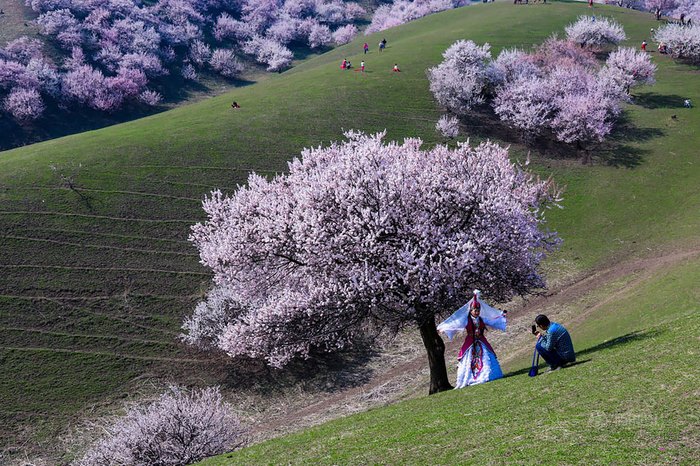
(345, 34)
(595, 32)
(180, 428)
(365, 238)
(627, 67)
(682, 41)
(225, 62)
(459, 83)
(448, 126)
(25, 105)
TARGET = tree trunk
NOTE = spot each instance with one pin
(435, 348)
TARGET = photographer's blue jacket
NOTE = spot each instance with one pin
(557, 338)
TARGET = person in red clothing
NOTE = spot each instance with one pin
(366, 47)
(396, 68)
(644, 45)
(344, 65)
(362, 66)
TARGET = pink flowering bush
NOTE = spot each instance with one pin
(627, 67)
(180, 428)
(150, 98)
(160, 37)
(689, 8)
(682, 41)
(365, 237)
(24, 105)
(403, 11)
(448, 126)
(224, 62)
(595, 32)
(557, 91)
(345, 34)
(459, 82)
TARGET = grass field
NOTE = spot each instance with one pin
(94, 282)
(631, 398)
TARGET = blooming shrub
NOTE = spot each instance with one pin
(180, 428)
(157, 38)
(627, 67)
(595, 32)
(459, 82)
(448, 126)
(403, 11)
(345, 34)
(682, 41)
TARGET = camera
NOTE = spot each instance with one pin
(534, 330)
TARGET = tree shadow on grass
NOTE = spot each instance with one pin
(327, 373)
(653, 100)
(617, 150)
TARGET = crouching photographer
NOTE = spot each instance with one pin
(554, 343)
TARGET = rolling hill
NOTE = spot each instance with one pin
(96, 272)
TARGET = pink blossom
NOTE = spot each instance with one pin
(627, 67)
(460, 81)
(595, 32)
(150, 98)
(682, 41)
(364, 237)
(180, 428)
(344, 34)
(224, 62)
(319, 36)
(448, 126)
(24, 105)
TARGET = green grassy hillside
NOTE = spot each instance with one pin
(94, 281)
(631, 398)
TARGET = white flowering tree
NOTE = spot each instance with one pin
(364, 238)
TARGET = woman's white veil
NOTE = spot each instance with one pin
(457, 322)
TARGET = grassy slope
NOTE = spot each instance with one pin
(631, 399)
(118, 266)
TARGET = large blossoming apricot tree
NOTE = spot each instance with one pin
(366, 238)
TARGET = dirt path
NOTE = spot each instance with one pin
(409, 378)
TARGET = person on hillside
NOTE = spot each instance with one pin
(687, 103)
(381, 46)
(235, 105)
(396, 68)
(644, 46)
(344, 64)
(362, 66)
(554, 343)
(365, 48)
(477, 360)
(383, 43)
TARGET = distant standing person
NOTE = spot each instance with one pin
(362, 66)
(644, 46)
(383, 42)
(554, 343)
(381, 47)
(366, 47)
(344, 65)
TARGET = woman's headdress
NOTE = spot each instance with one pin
(474, 303)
